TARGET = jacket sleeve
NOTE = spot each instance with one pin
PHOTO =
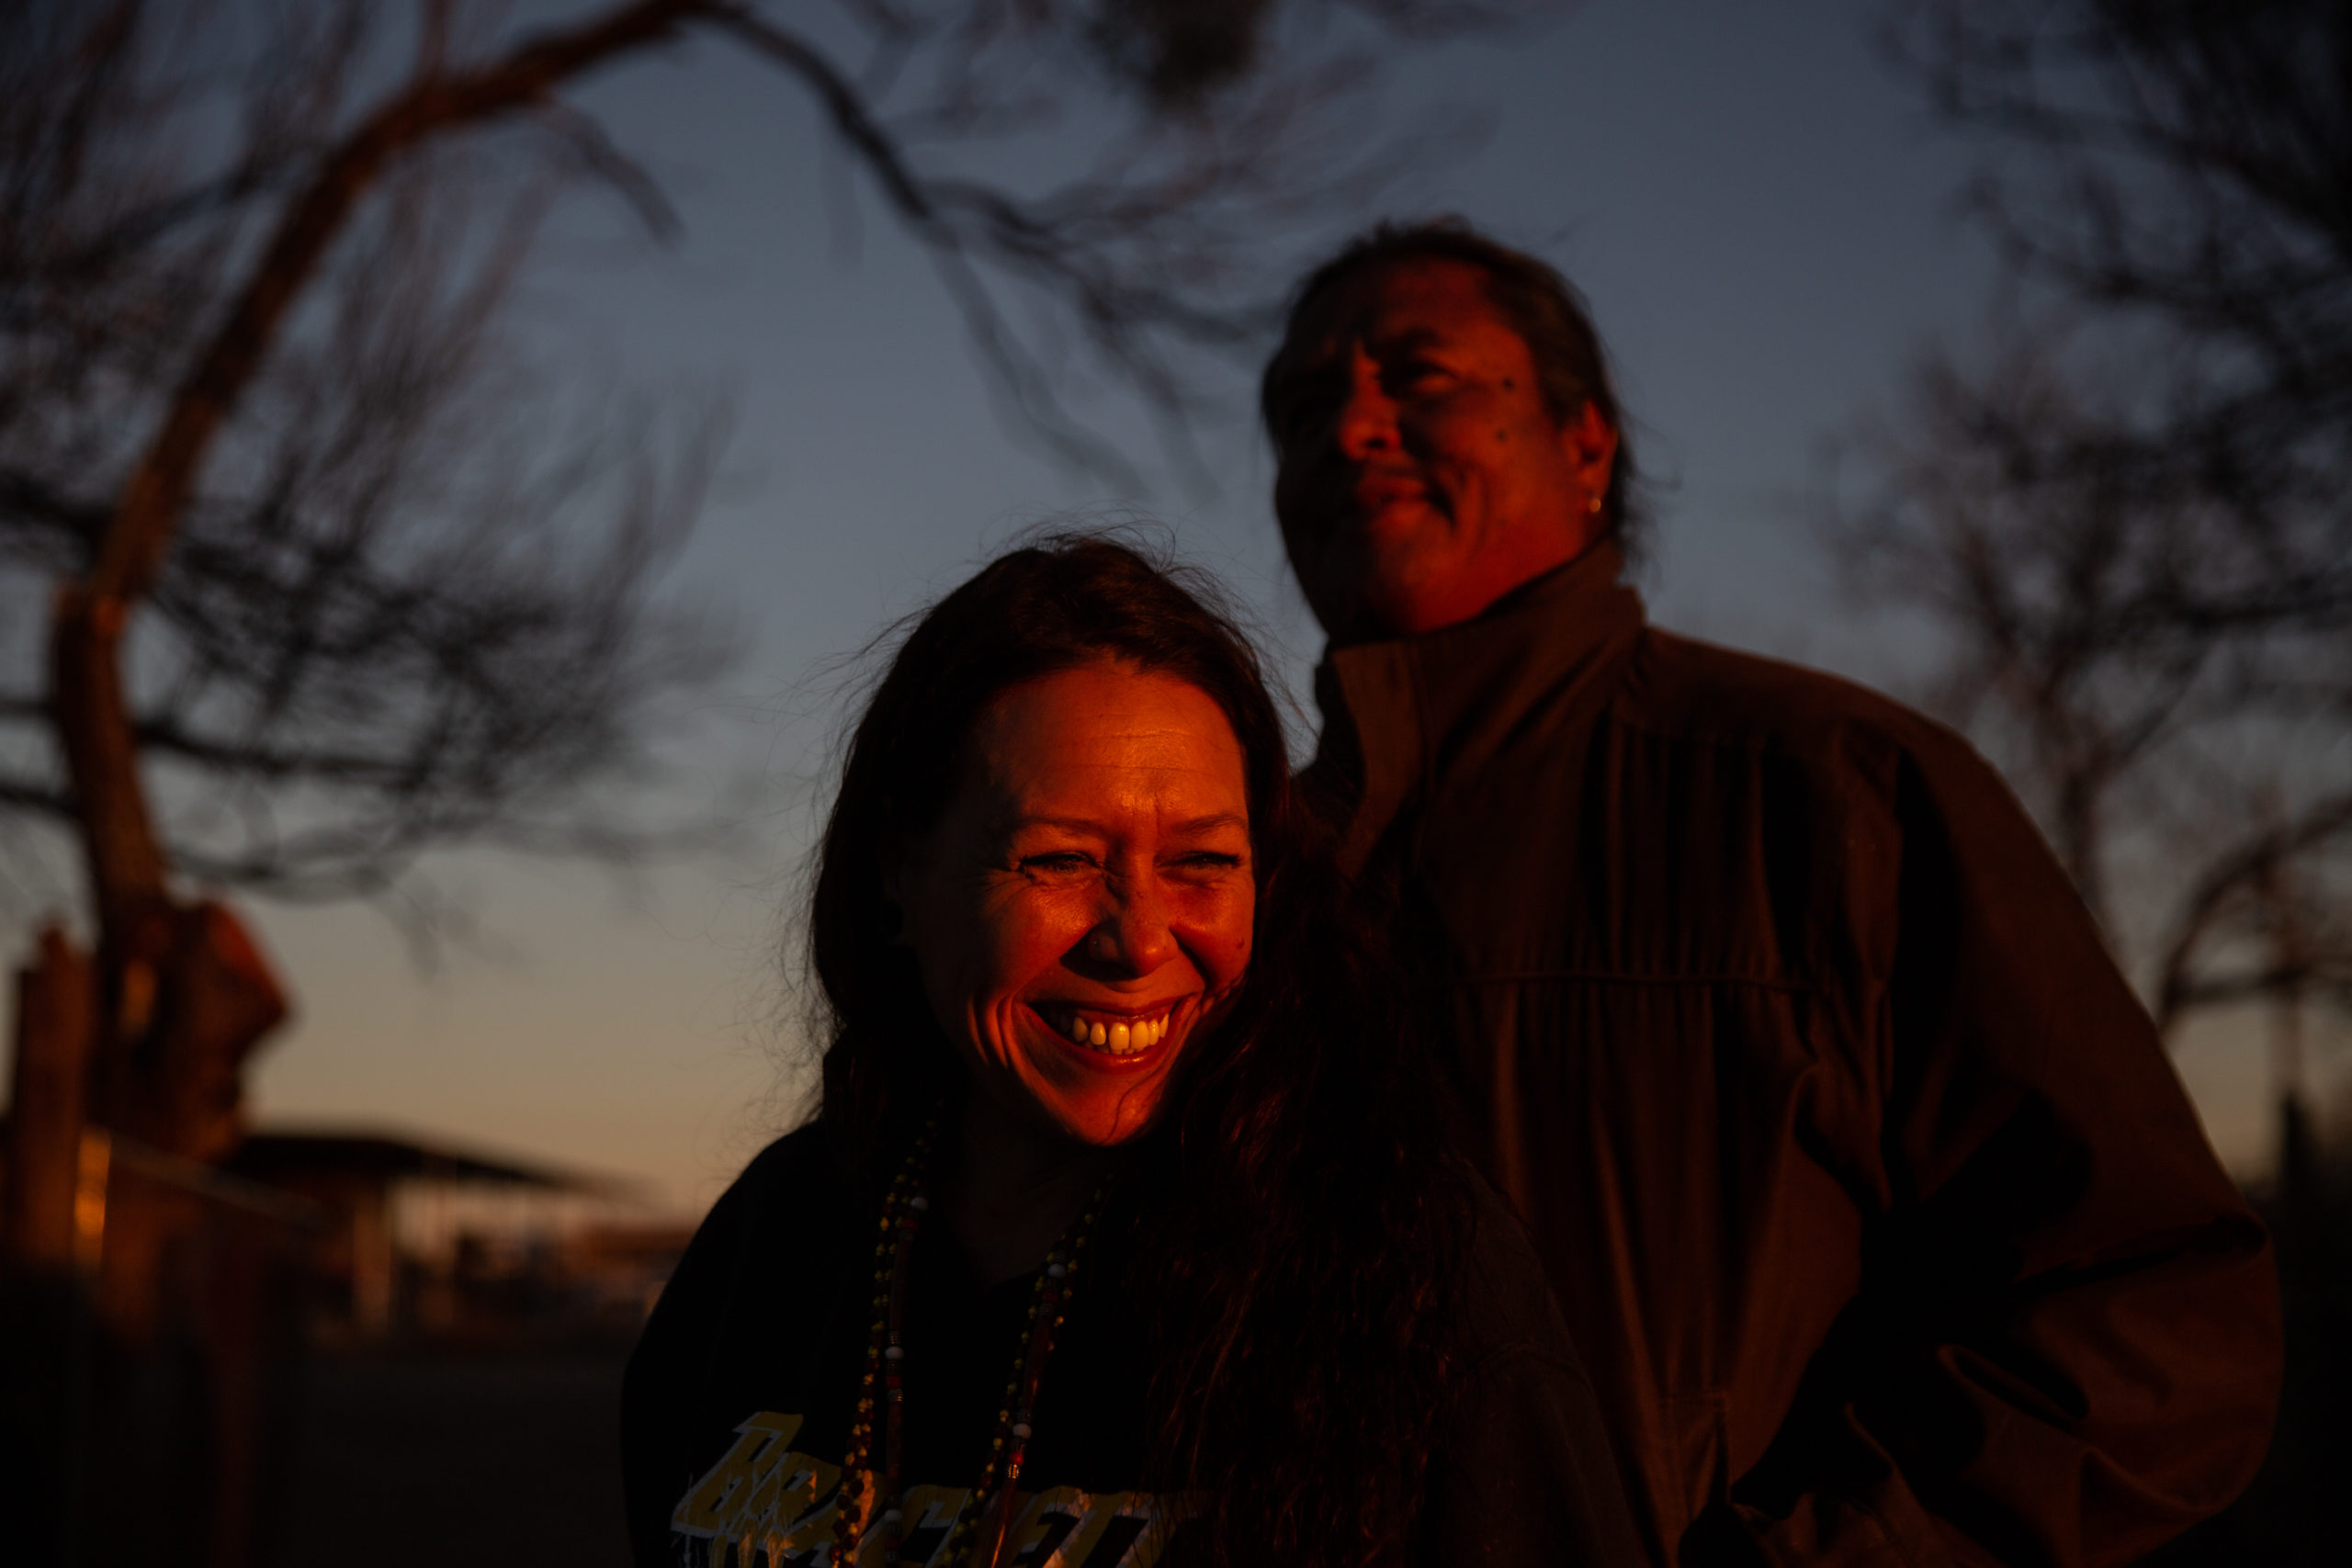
(2067, 1344)
(1521, 1471)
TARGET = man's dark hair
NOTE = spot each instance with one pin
(1541, 305)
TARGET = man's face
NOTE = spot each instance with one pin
(1422, 475)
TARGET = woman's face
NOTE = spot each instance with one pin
(1084, 906)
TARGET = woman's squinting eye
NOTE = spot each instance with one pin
(1206, 863)
(1056, 862)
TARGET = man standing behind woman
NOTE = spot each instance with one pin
(1884, 1225)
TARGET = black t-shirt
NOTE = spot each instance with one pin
(737, 1405)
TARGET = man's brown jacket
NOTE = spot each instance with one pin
(1884, 1224)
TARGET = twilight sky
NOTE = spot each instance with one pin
(1758, 211)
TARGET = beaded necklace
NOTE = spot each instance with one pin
(903, 1208)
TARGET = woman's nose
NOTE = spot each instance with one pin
(1133, 937)
(1368, 419)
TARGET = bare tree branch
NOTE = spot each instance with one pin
(2245, 873)
(158, 488)
(289, 447)
(2135, 529)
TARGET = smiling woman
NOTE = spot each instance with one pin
(1085, 905)
(1124, 1229)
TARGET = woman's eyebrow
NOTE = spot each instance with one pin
(1089, 825)
(1211, 823)
(1014, 824)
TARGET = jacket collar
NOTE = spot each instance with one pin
(1401, 716)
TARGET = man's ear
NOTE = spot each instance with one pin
(1589, 444)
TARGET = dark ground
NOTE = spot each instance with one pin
(454, 1458)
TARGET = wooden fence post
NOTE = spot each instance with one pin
(55, 1009)
(45, 1322)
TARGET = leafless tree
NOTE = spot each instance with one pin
(2134, 523)
(331, 577)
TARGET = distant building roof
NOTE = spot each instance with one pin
(289, 1155)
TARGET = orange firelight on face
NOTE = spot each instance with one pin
(1085, 904)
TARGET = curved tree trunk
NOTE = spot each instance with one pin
(183, 996)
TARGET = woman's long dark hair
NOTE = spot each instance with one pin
(1300, 1223)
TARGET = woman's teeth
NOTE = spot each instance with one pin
(1122, 1039)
